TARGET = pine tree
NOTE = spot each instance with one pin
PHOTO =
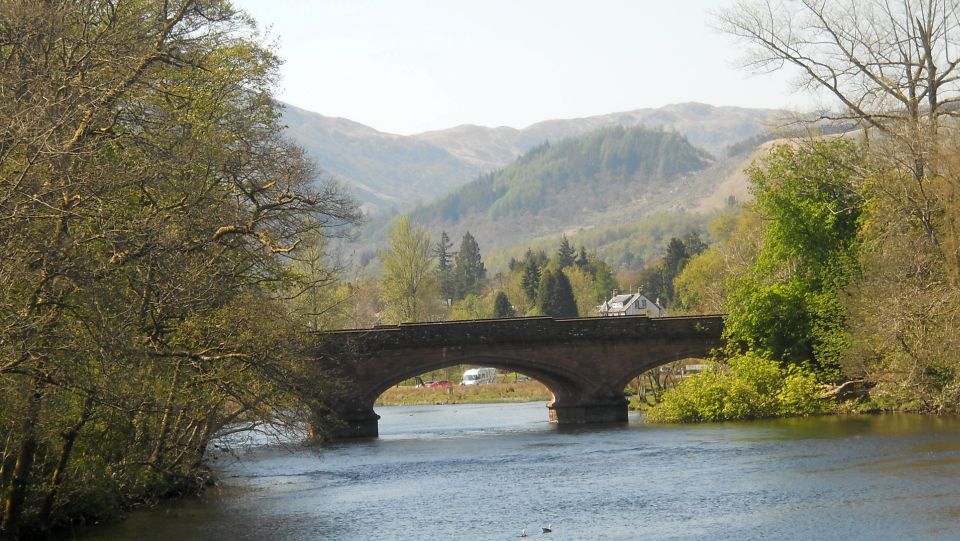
(555, 296)
(502, 307)
(582, 260)
(565, 253)
(468, 270)
(531, 279)
(444, 257)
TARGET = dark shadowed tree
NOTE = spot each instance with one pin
(555, 296)
(502, 307)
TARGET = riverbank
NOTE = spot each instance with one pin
(520, 391)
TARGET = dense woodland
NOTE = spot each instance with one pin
(153, 222)
(165, 250)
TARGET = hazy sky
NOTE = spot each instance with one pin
(408, 66)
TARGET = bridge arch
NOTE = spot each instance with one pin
(585, 362)
(633, 374)
(559, 382)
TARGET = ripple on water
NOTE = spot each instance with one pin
(485, 472)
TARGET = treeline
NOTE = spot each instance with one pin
(600, 166)
(427, 280)
(632, 245)
(153, 227)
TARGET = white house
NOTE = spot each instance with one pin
(631, 304)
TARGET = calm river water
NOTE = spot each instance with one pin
(477, 472)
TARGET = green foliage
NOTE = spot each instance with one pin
(409, 285)
(702, 286)
(658, 280)
(531, 276)
(468, 269)
(752, 386)
(582, 259)
(155, 222)
(788, 304)
(445, 266)
(630, 244)
(470, 307)
(565, 253)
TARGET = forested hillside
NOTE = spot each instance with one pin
(613, 172)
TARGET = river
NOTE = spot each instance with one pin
(478, 472)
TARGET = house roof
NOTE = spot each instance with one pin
(626, 300)
(623, 299)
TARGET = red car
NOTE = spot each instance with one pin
(440, 383)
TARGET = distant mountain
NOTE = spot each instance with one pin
(706, 126)
(385, 171)
(391, 171)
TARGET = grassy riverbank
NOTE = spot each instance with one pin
(521, 391)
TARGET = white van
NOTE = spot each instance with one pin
(479, 376)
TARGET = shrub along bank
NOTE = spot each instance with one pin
(750, 386)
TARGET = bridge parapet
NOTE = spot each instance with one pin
(525, 330)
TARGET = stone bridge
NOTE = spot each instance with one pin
(585, 362)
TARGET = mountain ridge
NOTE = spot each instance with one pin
(392, 172)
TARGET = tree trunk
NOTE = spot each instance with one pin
(165, 421)
(21, 472)
(69, 438)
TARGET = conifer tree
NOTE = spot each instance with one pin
(555, 295)
(565, 254)
(468, 270)
(582, 260)
(441, 251)
(531, 278)
(502, 307)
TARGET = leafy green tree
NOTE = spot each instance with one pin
(502, 307)
(702, 286)
(470, 307)
(603, 280)
(468, 269)
(409, 285)
(789, 305)
(658, 280)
